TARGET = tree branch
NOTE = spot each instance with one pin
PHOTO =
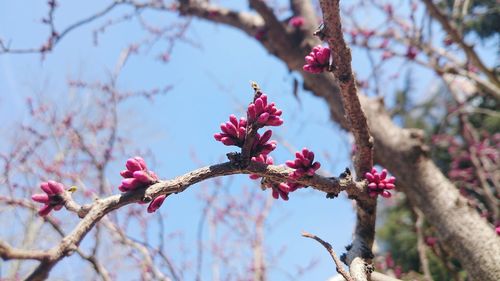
(9, 253)
(99, 208)
(329, 248)
(359, 255)
(247, 22)
(55, 36)
(458, 38)
(342, 69)
(421, 248)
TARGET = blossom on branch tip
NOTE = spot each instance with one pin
(303, 164)
(51, 198)
(136, 175)
(318, 60)
(263, 113)
(297, 21)
(378, 183)
(233, 132)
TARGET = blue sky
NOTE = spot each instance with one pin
(209, 83)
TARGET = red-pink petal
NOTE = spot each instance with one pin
(56, 187)
(141, 162)
(156, 203)
(133, 165)
(41, 198)
(45, 210)
(126, 174)
(142, 176)
(45, 187)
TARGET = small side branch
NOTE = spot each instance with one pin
(421, 248)
(247, 22)
(458, 38)
(329, 248)
(7, 252)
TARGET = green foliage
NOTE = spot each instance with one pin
(399, 238)
(482, 17)
(488, 118)
(397, 234)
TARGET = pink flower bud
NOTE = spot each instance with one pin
(130, 183)
(143, 176)
(303, 164)
(50, 198)
(156, 203)
(40, 198)
(262, 158)
(379, 184)
(122, 188)
(45, 210)
(318, 60)
(263, 113)
(133, 165)
(45, 187)
(262, 145)
(126, 174)
(56, 187)
(297, 21)
(136, 175)
(233, 132)
(141, 162)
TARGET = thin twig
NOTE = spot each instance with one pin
(329, 248)
(458, 38)
(421, 248)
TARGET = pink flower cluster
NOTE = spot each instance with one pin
(233, 132)
(262, 158)
(303, 164)
(318, 60)
(260, 114)
(262, 144)
(136, 175)
(51, 198)
(378, 183)
(280, 191)
(263, 113)
(297, 21)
